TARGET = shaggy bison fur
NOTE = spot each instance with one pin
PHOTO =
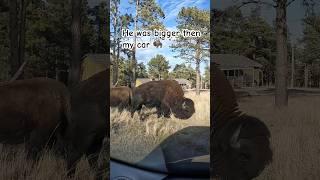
(166, 95)
(240, 147)
(89, 124)
(34, 111)
(120, 97)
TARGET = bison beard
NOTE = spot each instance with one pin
(35, 111)
(120, 97)
(89, 124)
(239, 143)
(166, 95)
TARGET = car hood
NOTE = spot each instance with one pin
(186, 152)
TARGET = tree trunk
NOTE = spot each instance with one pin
(115, 70)
(22, 32)
(14, 34)
(74, 71)
(115, 56)
(306, 75)
(292, 68)
(281, 97)
(198, 77)
(134, 60)
(198, 60)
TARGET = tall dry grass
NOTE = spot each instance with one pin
(295, 136)
(15, 166)
(131, 139)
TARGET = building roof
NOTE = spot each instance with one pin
(233, 61)
(143, 80)
(183, 81)
(97, 58)
(180, 81)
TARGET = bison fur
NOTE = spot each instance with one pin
(240, 146)
(166, 96)
(34, 111)
(89, 124)
(120, 97)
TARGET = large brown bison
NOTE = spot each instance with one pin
(166, 95)
(34, 111)
(239, 143)
(120, 97)
(89, 123)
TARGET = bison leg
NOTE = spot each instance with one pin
(91, 147)
(72, 162)
(93, 160)
(134, 109)
(136, 104)
(159, 112)
(37, 141)
(165, 110)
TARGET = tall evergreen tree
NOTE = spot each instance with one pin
(195, 50)
(147, 17)
(158, 67)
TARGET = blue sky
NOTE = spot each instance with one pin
(171, 9)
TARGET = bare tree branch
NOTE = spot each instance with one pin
(290, 2)
(244, 3)
(257, 2)
(19, 72)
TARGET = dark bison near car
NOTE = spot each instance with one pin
(166, 95)
(34, 111)
(240, 147)
(120, 97)
(89, 124)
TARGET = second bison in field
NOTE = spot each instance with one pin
(120, 97)
(165, 95)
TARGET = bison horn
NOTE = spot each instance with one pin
(234, 141)
(184, 106)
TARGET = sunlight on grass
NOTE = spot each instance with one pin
(131, 139)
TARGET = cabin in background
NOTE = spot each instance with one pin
(240, 70)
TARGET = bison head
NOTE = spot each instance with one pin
(241, 149)
(183, 109)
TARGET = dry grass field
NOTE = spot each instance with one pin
(14, 166)
(131, 139)
(295, 135)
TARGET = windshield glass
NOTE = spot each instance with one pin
(133, 139)
(160, 97)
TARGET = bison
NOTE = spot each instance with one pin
(166, 95)
(120, 97)
(157, 43)
(239, 143)
(34, 111)
(88, 126)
